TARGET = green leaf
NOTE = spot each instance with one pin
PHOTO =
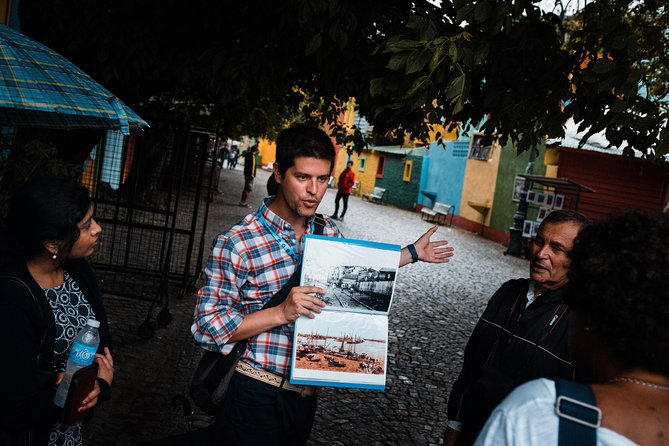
(415, 22)
(376, 86)
(419, 84)
(618, 106)
(400, 44)
(397, 61)
(459, 105)
(589, 77)
(482, 11)
(455, 88)
(619, 42)
(417, 61)
(314, 44)
(464, 13)
(481, 53)
(453, 53)
(602, 66)
(610, 23)
(436, 57)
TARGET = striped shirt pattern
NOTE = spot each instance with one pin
(246, 267)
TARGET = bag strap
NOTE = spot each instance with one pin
(14, 279)
(280, 296)
(578, 413)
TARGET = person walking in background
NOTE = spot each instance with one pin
(232, 156)
(249, 174)
(48, 291)
(344, 188)
(223, 154)
(618, 342)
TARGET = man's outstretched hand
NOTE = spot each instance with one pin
(428, 251)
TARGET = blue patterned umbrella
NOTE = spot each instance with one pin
(40, 88)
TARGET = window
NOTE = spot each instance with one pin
(381, 167)
(361, 164)
(477, 150)
(407, 171)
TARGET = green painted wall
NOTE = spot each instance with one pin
(510, 165)
(401, 193)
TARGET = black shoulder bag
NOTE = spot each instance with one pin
(214, 371)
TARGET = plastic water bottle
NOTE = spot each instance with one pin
(82, 354)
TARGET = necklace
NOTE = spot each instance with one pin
(640, 382)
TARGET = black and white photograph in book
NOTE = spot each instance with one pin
(357, 275)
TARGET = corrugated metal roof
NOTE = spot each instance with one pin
(596, 142)
(398, 150)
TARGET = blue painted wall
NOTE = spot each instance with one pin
(444, 171)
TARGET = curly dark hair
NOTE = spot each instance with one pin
(619, 276)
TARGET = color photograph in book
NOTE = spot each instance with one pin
(341, 349)
(357, 275)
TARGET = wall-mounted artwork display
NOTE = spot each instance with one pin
(543, 211)
(559, 201)
(528, 226)
(518, 188)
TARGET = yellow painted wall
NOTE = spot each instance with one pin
(267, 150)
(552, 162)
(479, 187)
(445, 134)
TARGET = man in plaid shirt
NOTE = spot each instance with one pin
(250, 263)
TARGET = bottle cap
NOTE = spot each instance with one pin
(93, 323)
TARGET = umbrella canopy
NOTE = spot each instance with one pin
(40, 88)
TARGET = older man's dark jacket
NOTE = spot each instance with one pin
(510, 345)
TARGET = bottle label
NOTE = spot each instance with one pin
(82, 354)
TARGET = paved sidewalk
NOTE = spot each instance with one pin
(434, 311)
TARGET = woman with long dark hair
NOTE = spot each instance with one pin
(47, 293)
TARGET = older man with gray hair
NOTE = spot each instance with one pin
(522, 334)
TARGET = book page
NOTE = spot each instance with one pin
(357, 275)
(346, 345)
(341, 349)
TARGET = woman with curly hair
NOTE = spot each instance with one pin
(619, 340)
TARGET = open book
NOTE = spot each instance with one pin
(346, 345)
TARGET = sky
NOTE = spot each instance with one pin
(548, 5)
(571, 5)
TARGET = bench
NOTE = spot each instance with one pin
(439, 212)
(378, 195)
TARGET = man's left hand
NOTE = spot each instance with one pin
(432, 252)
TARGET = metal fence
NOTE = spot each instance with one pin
(151, 192)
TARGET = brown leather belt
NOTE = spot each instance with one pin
(274, 380)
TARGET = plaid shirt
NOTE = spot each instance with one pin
(246, 267)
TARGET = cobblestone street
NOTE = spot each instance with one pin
(434, 310)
